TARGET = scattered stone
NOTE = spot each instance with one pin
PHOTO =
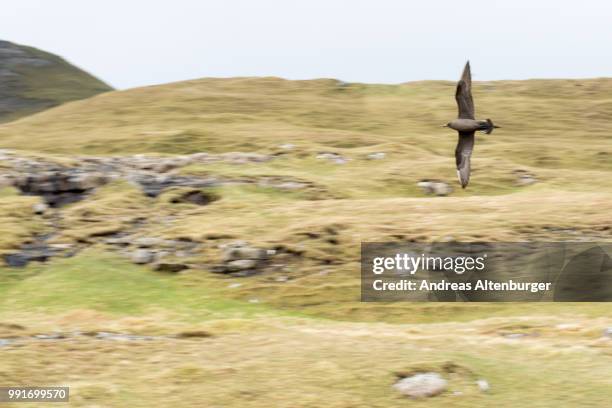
(281, 278)
(483, 385)
(421, 385)
(169, 267)
(40, 208)
(515, 335)
(524, 178)
(196, 197)
(37, 251)
(121, 241)
(290, 185)
(568, 326)
(193, 334)
(234, 285)
(376, 156)
(52, 336)
(608, 332)
(142, 256)
(152, 184)
(241, 157)
(287, 146)
(244, 273)
(16, 260)
(438, 188)
(332, 157)
(61, 247)
(147, 242)
(121, 336)
(241, 265)
(233, 253)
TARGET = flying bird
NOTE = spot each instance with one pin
(466, 125)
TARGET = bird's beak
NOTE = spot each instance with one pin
(445, 125)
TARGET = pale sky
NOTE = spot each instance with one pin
(130, 43)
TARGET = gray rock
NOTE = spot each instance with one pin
(332, 157)
(88, 181)
(376, 156)
(40, 208)
(169, 267)
(122, 241)
(232, 254)
(51, 336)
(241, 157)
(241, 265)
(290, 185)
(438, 188)
(16, 260)
(147, 242)
(524, 178)
(142, 256)
(421, 385)
(483, 385)
(287, 146)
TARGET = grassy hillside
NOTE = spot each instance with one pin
(32, 80)
(296, 334)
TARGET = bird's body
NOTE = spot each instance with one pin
(466, 125)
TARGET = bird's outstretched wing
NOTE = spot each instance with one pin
(463, 153)
(463, 95)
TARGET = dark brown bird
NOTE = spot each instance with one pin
(466, 125)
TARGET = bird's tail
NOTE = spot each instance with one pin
(488, 126)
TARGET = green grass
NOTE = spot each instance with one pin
(109, 284)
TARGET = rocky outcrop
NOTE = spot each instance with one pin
(61, 184)
(38, 250)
